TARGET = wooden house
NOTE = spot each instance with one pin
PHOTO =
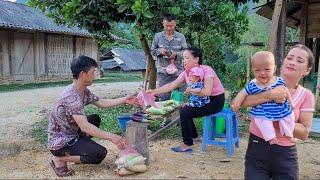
(126, 59)
(33, 48)
(123, 59)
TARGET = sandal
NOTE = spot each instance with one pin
(180, 149)
(61, 171)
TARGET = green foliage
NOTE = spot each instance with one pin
(127, 32)
(216, 27)
(98, 17)
(235, 78)
(95, 16)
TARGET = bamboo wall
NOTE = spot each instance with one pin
(33, 57)
(59, 55)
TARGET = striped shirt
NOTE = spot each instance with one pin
(303, 102)
(270, 110)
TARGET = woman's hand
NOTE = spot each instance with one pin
(131, 99)
(151, 92)
(278, 94)
(188, 91)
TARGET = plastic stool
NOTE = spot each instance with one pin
(231, 136)
(177, 95)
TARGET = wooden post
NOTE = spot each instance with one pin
(274, 25)
(146, 76)
(137, 134)
(278, 33)
(303, 23)
(248, 67)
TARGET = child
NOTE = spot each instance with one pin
(263, 66)
(196, 75)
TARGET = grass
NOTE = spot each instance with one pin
(314, 137)
(109, 123)
(39, 132)
(109, 77)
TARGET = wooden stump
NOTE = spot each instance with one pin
(137, 134)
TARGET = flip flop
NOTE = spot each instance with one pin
(180, 149)
(61, 171)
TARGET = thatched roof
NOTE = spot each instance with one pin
(21, 17)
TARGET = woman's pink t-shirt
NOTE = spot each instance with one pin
(302, 101)
(217, 88)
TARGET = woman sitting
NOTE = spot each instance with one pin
(213, 88)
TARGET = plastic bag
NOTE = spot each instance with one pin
(172, 68)
(129, 162)
(146, 99)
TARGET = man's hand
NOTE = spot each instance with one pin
(278, 94)
(173, 55)
(119, 141)
(163, 51)
(131, 99)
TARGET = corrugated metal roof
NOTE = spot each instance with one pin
(21, 17)
(134, 59)
(109, 64)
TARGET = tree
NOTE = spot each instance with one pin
(215, 24)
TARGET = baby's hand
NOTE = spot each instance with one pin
(184, 105)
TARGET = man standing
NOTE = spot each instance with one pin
(167, 47)
(70, 130)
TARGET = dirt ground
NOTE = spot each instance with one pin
(22, 157)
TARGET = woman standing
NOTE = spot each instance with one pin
(280, 161)
(213, 88)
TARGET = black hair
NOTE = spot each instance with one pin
(196, 52)
(82, 63)
(169, 17)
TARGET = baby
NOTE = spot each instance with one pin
(263, 66)
(196, 76)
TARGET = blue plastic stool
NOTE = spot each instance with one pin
(231, 136)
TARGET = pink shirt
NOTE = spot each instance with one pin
(217, 88)
(303, 101)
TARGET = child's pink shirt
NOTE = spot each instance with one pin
(217, 88)
(303, 101)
